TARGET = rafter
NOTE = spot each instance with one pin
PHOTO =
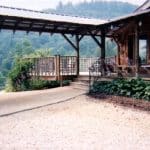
(1, 22)
(70, 42)
(43, 28)
(16, 25)
(30, 27)
(95, 39)
(81, 37)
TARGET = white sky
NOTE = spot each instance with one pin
(42, 4)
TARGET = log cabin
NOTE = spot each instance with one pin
(132, 35)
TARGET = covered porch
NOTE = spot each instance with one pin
(73, 29)
(131, 34)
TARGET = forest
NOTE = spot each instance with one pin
(19, 44)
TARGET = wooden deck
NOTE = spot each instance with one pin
(65, 67)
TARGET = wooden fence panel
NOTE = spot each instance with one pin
(68, 65)
(43, 66)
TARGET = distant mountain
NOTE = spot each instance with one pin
(95, 9)
(21, 44)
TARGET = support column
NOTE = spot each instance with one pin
(103, 47)
(148, 51)
(57, 67)
(78, 54)
(103, 51)
(76, 46)
(136, 51)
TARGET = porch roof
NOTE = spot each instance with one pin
(129, 17)
(37, 21)
(115, 24)
(29, 20)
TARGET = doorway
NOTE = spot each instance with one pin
(130, 50)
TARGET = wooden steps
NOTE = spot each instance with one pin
(82, 83)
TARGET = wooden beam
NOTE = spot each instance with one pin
(70, 42)
(1, 22)
(148, 50)
(103, 49)
(118, 46)
(43, 28)
(78, 53)
(30, 27)
(95, 39)
(81, 37)
(16, 25)
(76, 46)
(136, 44)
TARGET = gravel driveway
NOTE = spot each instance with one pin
(82, 123)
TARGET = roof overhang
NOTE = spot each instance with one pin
(28, 20)
(112, 25)
(36, 21)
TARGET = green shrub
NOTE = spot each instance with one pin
(136, 88)
(66, 83)
(38, 84)
(18, 78)
(2, 81)
(53, 84)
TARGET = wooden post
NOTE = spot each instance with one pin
(57, 57)
(78, 54)
(103, 48)
(136, 51)
(148, 50)
(76, 46)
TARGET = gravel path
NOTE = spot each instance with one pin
(81, 123)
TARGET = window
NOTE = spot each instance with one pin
(143, 49)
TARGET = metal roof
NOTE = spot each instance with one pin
(29, 20)
(25, 13)
(129, 16)
(145, 5)
(115, 24)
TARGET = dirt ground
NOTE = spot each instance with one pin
(82, 123)
(123, 101)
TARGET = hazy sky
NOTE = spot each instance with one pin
(42, 4)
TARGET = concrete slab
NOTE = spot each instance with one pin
(11, 103)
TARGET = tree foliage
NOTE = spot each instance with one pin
(18, 78)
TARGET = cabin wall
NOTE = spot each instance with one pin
(145, 30)
(124, 34)
(148, 53)
(123, 41)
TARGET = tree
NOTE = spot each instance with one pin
(40, 53)
(23, 48)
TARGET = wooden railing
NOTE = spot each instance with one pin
(68, 65)
(102, 68)
(86, 63)
(63, 65)
(56, 66)
(43, 66)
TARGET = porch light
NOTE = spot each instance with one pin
(140, 23)
(111, 27)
